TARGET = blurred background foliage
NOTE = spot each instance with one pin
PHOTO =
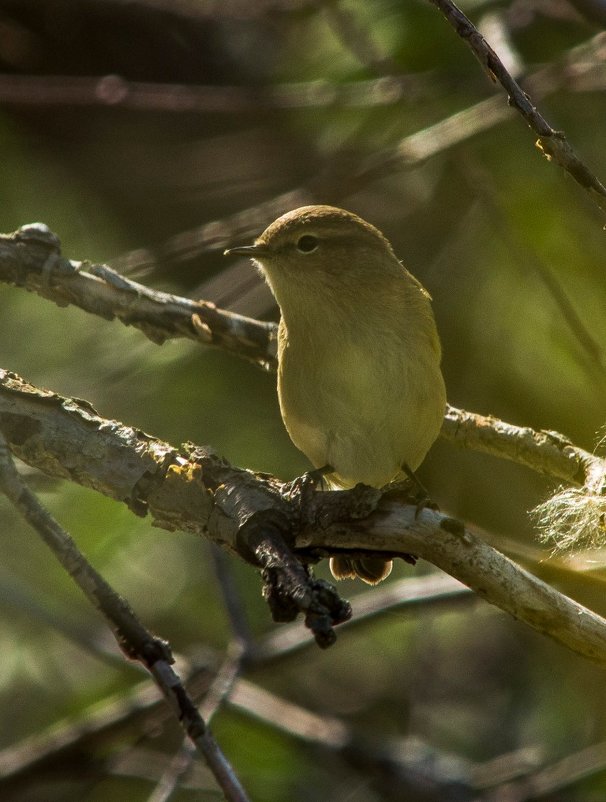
(124, 125)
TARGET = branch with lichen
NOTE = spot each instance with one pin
(574, 517)
(263, 521)
(31, 258)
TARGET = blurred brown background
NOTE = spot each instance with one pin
(150, 135)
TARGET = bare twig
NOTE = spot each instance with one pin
(232, 598)
(142, 96)
(217, 694)
(141, 703)
(405, 768)
(432, 590)
(224, 681)
(31, 258)
(545, 452)
(136, 642)
(578, 70)
(168, 783)
(561, 774)
(142, 706)
(551, 142)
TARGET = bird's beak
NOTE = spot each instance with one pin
(246, 250)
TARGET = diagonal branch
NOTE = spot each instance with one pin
(196, 491)
(31, 258)
(447, 544)
(551, 142)
(578, 70)
(134, 639)
(189, 489)
(64, 740)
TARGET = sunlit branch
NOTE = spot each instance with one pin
(551, 142)
(198, 492)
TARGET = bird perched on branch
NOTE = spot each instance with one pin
(359, 381)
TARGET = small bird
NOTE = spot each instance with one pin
(359, 382)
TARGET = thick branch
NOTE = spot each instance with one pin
(191, 490)
(31, 258)
(198, 492)
(446, 543)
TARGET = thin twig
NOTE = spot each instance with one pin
(551, 142)
(546, 452)
(561, 774)
(144, 96)
(109, 717)
(224, 681)
(168, 784)
(141, 705)
(432, 590)
(221, 687)
(408, 767)
(575, 71)
(232, 598)
(133, 638)
(218, 693)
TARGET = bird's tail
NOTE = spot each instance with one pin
(371, 570)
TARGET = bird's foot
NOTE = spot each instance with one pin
(415, 491)
(305, 485)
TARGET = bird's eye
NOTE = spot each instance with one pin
(307, 243)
